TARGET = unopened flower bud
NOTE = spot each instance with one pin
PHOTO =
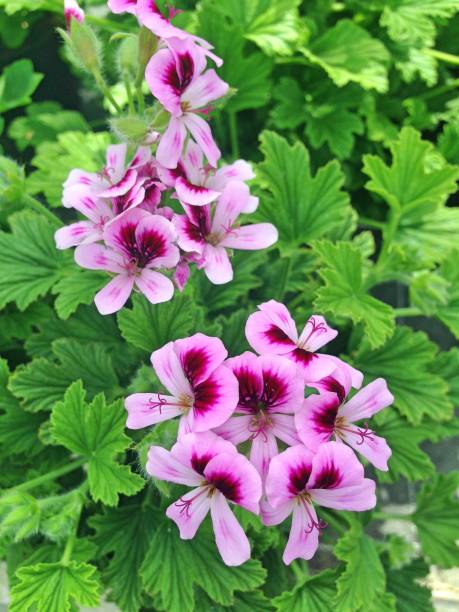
(134, 129)
(72, 10)
(83, 46)
(147, 45)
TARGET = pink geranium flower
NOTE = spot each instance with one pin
(197, 184)
(210, 234)
(204, 393)
(298, 479)
(272, 331)
(329, 415)
(219, 474)
(270, 391)
(178, 79)
(137, 243)
(72, 10)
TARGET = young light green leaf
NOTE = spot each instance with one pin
(55, 587)
(170, 559)
(42, 382)
(413, 21)
(31, 265)
(303, 207)
(406, 362)
(410, 185)
(344, 292)
(18, 81)
(437, 519)
(96, 432)
(312, 594)
(349, 54)
(124, 534)
(449, 312)
(363, 581)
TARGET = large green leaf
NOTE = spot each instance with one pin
(42, 382)
(30, 263)
(405, 361)
(412, 185)
(437, 519)
(96, 432)
(170, 559)
(312, 594)
(124, 534)
(349, 54)
(404, 584)
(302, 206)
(363, 581)
(344, 294)
(55, 587)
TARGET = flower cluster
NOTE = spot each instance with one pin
(131, 229)
(301, 448)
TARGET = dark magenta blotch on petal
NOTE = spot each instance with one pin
(275, 335)
(199, 462)
(206, 394)
(325, 416)
(299, 476)
(328, 478)
(226, 484)
(194, 363)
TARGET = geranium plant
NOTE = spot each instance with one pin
(229, 300)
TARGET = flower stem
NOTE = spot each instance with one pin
(38, 207)
(234, 134)
(373, 223)
(106, 91)
(36, 482)
(390, 516)
(127, 86)
(442, 56)
(410, 311)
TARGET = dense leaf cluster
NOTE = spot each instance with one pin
(349, 112)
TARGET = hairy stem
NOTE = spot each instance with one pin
(106, 91)
(234, 135)
(442, 56)
(410, 311)
(373, 223)
(36, 482)
(284, 277)
(127, 86)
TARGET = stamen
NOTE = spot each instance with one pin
(185, 504)
(313, 524)
(364, 434)
(317, 328)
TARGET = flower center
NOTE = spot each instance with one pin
(305, 499)
(214, 238)
(364, 434)
(260, 423)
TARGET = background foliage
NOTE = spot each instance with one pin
(350, 112)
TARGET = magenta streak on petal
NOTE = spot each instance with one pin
(328, 478)
(199, 462)
(226, 484)
(275, 335)
(200, 218)
(298, 478)
(324, 418)
(206, 394)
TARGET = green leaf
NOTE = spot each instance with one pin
(248, 73)
(54, 160)
(448, 142)
(289, 111)
(411, 185)
(344, 292)
(363, 581)
(446, 365)
(312, 594)
(428, 292)
(124, 534)
(449, 312)
(44, 122)
(42, 382)
(335, 127)
(406, 361)
(13, 6)
(169, 559)
(404, 584)
(149, 326)
(96, 432)
(407, 459)
(303, 207)
(77, 287)
(18, 81)
(413, 21)
(31, 265)
(17, 325)
(55, 587)
(437, 519)
(349, 54)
